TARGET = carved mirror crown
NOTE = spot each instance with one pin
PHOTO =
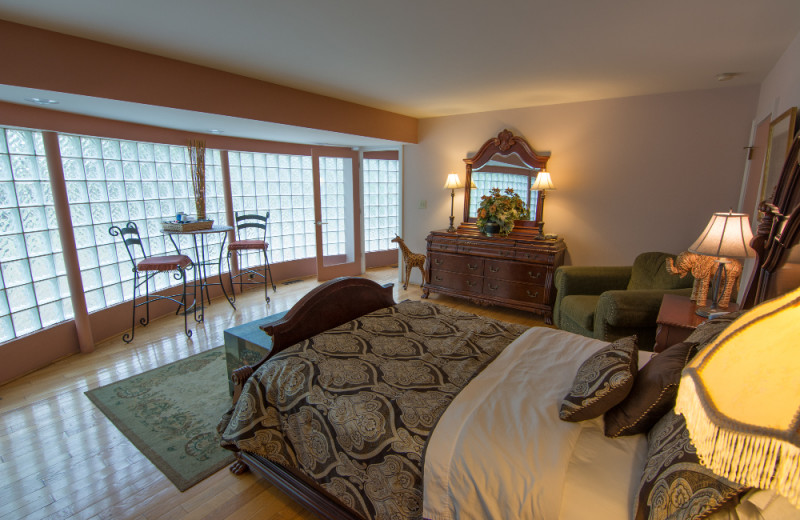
(505, 161)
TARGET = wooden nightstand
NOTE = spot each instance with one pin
(677, 319)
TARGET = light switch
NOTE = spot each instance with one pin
(423, 204)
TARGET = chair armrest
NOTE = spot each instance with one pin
(576, 279)
(630, 309)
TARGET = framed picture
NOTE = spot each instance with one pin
(781, 134)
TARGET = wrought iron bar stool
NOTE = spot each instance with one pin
(251, 235)
(145, 268)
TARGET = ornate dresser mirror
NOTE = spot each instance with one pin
(505, 161)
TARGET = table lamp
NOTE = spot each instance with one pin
(452, 183)
(726, 235)
(741, 399)
(542, 183)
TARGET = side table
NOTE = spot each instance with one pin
(677, 319)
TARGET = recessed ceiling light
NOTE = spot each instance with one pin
(41, 101)
(725, 76)
(216, 131)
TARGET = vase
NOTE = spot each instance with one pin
(491, 228)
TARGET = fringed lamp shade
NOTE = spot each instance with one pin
(741, 399)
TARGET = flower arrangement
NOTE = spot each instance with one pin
(502, 209)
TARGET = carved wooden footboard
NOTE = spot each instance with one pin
(327, 306)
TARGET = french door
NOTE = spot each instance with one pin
(336, 212)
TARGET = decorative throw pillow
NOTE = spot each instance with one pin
(674, 484)
(602, 381)
(653, 393)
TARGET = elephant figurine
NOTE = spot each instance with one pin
(733, 272)
(702, 267)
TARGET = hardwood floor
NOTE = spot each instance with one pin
(61, 458)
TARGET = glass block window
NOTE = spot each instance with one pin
(112, 182)
(33, 287)
(485, 181)
(381, 203)
(283, 185)
(332, 189)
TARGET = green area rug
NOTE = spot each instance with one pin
(171, 413)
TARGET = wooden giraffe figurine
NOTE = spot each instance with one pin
(411, 260)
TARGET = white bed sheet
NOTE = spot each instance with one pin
(500, 450)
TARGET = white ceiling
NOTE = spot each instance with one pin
(437, 57)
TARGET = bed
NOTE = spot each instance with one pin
(367, 408)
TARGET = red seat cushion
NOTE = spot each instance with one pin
(164, 263)
(238, 245)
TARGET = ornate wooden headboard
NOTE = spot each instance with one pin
(777, 259)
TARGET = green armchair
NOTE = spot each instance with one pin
(612, 302)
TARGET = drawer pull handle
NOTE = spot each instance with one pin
(493, 287)
(527, 255)
(537, 275)
(493, 268)
(534, 295)
(472, 267)
(437, 278)
(437, 261)
(470, 283)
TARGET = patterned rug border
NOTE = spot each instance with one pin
(165, 467)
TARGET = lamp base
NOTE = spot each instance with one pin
(452, 228)
(710, 311)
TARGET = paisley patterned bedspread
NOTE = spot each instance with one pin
(353, 407)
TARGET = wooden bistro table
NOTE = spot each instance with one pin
(677, 319)
(201, 257)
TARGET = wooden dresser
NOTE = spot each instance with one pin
(514, 271)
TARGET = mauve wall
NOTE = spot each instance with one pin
(632, 175)
(781, 89)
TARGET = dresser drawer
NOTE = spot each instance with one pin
(533, 256)
(450, 245)
(515, 271)
(457, 264)
(457, 281)
(522, 292)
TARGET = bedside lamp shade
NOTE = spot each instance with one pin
(726, 235)
(543, 182)
(741, 399)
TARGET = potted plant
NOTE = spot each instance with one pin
(498, 211)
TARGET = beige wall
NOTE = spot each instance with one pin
(634, 174)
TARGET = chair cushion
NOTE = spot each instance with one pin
(238, 245)
(164, 263)
(580, 309)
(650, 272)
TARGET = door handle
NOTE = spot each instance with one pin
(320, 223)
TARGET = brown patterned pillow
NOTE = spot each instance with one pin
(602, 381)
(674, 484)
(653, 393)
